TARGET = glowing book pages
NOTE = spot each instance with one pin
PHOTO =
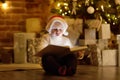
(90, 36)
(105, 32)
(58, 50)
(20, 46)
(77, 48)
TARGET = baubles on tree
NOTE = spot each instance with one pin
(90, 10)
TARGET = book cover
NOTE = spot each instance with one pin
(59, 50)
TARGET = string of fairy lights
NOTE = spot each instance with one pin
(108, 10)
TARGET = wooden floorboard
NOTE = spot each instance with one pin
(25, 66)
(84, 72)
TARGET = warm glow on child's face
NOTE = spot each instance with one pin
(57, 29)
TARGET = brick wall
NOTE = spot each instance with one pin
(13, 19)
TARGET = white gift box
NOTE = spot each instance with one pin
(109, 57)
(90, 36)
(119, 55)
(105, 32)
(118, 42)
(20, 46)
(118, 39)
(102, 44)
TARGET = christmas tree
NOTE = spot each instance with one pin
(107, 10)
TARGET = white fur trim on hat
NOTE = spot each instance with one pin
(65, 33)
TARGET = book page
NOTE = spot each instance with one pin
(53, 49)
(77, 48)
(59, 50)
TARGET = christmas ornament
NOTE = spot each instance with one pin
(90, 10)
(74, 4)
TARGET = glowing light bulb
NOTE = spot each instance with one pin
(102, 7)
(4, 5)
(60, 10)
(69, 11)
(58, 4)
(66, 4)
(65, 12)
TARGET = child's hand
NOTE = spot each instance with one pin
(81, 54)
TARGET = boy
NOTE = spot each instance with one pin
(54, 64)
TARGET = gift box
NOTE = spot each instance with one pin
(102, 44)
(90, 36)
(94, 56)
(32, 50)
(118, 42)
(20, 46)
(109, 57)
(105, 32)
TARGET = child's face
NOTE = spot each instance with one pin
(57, 29)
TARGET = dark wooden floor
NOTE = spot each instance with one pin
(84, 72)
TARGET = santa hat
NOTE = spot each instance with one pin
(59, 19)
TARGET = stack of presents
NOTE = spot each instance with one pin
(100, 53)
(103, 48)
(25, 43)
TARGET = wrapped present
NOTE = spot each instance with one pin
(118, 54)
(20, 46)
(118, 42)
(105, 32)
(93, 55)
(109, 57)
(90, 36)
(32, 50)
(102, 44)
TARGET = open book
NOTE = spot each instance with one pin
(59, 50)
